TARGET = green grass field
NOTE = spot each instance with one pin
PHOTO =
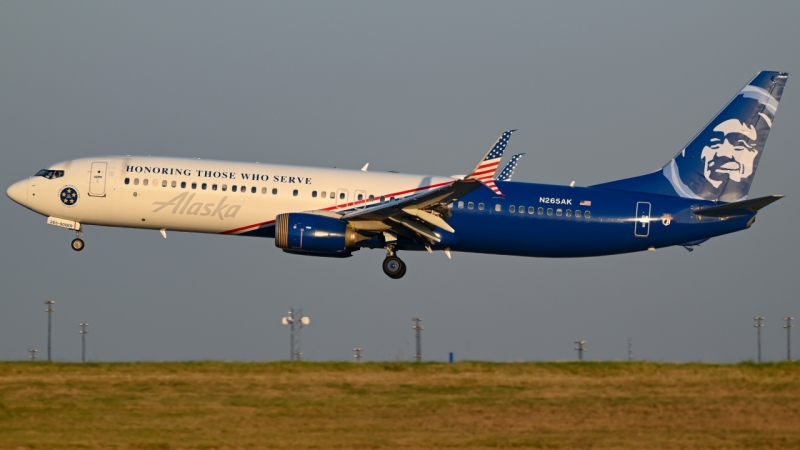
(398, 405)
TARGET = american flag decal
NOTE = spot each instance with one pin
(586, 203)
(508, 170)
(487, 168)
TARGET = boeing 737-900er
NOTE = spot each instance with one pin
(699, 194)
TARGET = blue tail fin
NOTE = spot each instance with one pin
(721, 161)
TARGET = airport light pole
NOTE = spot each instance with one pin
(32, 351)
(295, 319)
(83, 333)
(788, 327)
(630, 349)
(580, 349)
(50, 309)
(358, 354)
(418, 334)
(758, 326)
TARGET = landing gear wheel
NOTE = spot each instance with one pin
(77, 244)
(394, 267)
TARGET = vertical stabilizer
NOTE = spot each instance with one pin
(721, 161)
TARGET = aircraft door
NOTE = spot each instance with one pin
(97, 179)
(341, 197)
(360, 199)
(642, 223)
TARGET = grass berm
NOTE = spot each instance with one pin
(229, 405)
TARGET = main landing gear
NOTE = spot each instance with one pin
(77, 243)
(393, 266)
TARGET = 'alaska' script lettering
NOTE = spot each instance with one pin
(183, 205)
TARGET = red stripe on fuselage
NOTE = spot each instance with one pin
(343, 205)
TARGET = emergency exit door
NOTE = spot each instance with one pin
(642, 224)
(97, 179)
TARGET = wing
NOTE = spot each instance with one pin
(416, 216)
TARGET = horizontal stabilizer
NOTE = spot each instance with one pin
(741, 208)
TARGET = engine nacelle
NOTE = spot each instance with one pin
(303, 233)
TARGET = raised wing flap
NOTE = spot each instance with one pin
(740, 208)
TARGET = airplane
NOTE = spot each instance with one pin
(699, 194)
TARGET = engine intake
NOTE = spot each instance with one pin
(304, 233)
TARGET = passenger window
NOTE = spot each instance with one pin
(213, 187)
(243, 189)
(253, 190)
(194, 185)
(341, 196)
(470, 205)
(224, 187)
(333, 194)
(145, 181)
(587, 214)
(155, 182)
(371, 198)
(540, 211)
(203, 186)
(531, 209)
(497, 207)
(263, 190)
(361, 196)
(294, 192)
(521, 209)
(323, 194)
(174, 184)
(127, 181)
(313, 194)
(512, 208)
(233, 188)
(274, 191)
(558, 212)
(460, 205)
(549, 211)
(391, 199)
(183, 184)
(480, 206)
(383, 199)
(568, 213)
(135, 181)
(577, 213)
(164, 183)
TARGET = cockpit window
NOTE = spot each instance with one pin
(49, 174)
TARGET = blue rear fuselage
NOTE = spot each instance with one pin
(533, 220)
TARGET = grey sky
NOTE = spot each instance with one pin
(598, 91)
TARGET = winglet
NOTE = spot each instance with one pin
(485, 170)
(508, 170)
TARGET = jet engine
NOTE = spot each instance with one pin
(315, 235)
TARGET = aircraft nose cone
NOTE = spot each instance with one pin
(18, 192)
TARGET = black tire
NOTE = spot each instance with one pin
(77, 244)
(394, 267)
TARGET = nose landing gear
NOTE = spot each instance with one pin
(77, 243)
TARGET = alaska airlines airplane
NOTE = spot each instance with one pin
(699, 194)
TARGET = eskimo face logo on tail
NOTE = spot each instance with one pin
(731, 154)
(183, 205)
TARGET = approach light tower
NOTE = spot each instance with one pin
(50, 309)
(32, 351)
(359, 353)
(418, 334)
(759, 326)
(295, 319)
(580, 349)
(83, 333)
(788, 327)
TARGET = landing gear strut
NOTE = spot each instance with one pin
(77, 243)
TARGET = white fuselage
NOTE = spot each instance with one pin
(203, 195)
